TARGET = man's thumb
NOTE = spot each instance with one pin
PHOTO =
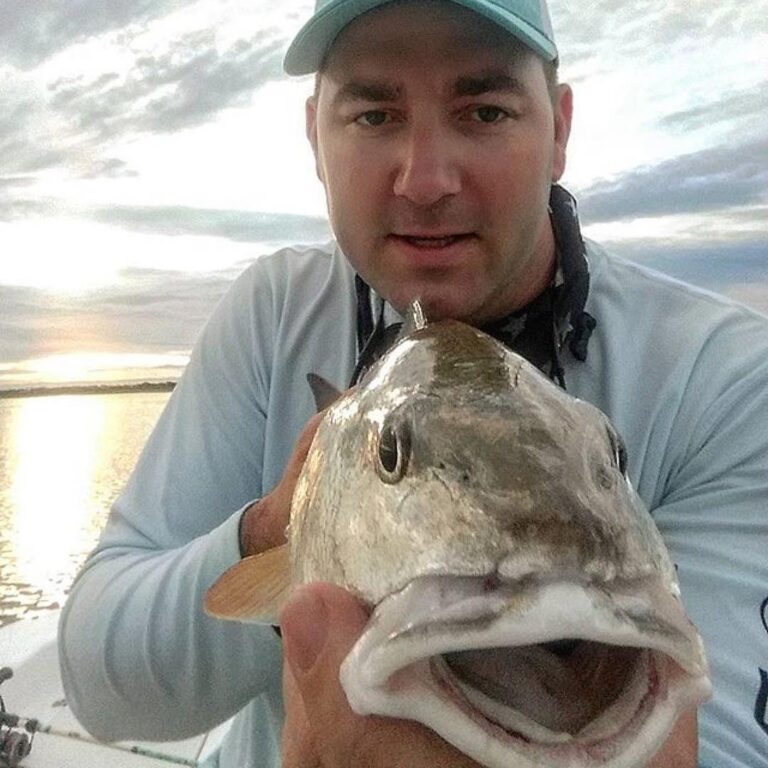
(320, 623)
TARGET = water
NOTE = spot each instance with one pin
(63, 461)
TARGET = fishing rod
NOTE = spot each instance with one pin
(17, 735)
(15, 744)
(133, 749)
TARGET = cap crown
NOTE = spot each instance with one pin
(527, 20)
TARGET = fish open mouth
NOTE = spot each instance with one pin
(556, 674)
(543, 694)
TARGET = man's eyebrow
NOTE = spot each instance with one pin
(358, 90)
(490, 82)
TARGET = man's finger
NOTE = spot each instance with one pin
(681, 748)
(298, 749)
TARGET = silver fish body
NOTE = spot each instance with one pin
(526, 607)
(501, 474)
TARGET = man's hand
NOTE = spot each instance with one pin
(681, 749)
(263, 524)
(320, 624)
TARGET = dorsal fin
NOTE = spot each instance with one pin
(414, 320)
(323, 391)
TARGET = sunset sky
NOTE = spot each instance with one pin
(150, 149)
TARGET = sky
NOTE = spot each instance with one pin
(151, 149)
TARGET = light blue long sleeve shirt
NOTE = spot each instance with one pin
(683, 375)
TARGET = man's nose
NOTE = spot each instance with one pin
(428, 168)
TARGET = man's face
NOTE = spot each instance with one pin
(437, 140)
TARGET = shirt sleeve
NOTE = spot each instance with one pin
(139, 657)
(714, 518)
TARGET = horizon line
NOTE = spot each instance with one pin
(43, 390)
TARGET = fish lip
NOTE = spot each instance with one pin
(391, 670)
(441, 607)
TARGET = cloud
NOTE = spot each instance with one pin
(16, 108)
(726, 176)
(22, 323)
(30, 138)
(14, 182)
(182, 86)
(75, 121)
(715, 266)
(640, 29)
(32, 31)
(239, 226)
(743, 105)
(209, 82)
(108, 167)
(18, 113)
(13, 208)
(151, 311)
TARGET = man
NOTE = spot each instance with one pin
(439, 132)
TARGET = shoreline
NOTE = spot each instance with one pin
(88, 389)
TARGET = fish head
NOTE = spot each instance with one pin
(524, 604)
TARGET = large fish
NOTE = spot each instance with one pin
(526, 608)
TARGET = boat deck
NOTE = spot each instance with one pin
(35, 692)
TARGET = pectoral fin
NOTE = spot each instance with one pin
(253, 590)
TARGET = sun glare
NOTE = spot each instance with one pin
(96, 368)
(61, 255)
(72, 367)
(63, 436)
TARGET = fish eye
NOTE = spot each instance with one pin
(394, 452)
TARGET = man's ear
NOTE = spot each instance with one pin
(563, 107)
(310, 112)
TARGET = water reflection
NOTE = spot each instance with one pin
(53, 469)
(63, 460)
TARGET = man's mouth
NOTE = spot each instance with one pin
(439, 241)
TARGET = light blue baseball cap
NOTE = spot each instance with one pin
(527, 20)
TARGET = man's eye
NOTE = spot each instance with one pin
(489, 114)
(372, 118)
